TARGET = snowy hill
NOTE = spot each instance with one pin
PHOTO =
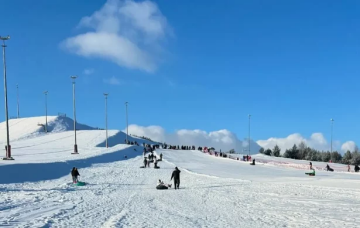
(32, 126)
(36, 189)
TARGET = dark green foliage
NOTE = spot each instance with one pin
(262, 150)
(276, 151)
(267, 152)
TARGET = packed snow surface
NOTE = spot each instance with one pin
(35, 188)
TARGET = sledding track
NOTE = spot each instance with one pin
(122, 195)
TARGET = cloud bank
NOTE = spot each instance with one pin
(128, 33)
(222, 139)
(316, 141)
(226, 140)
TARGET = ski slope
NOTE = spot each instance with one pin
(35, 189)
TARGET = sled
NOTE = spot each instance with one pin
(79, 183)
(161, 187)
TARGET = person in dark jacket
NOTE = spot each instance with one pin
(145, 162)
(75, 173)
(176, 176)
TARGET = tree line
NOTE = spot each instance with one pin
(303, 152)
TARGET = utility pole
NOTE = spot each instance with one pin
(106, 119)
(7, 147)
(46, 129)
(249, 135)
(17, 95)
(332, 123)
(74, 107)
(127, 123)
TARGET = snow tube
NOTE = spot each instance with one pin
(79, 183)
(161, 187)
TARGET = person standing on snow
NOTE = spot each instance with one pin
(176, 176)
(74, 173)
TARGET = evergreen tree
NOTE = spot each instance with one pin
(325, 156)
(302, 151)
(268, 152)
(355, 158)
(262, 150)
(335, 157)
(276, 151)
(347, 157)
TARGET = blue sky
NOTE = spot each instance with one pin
(292, 64)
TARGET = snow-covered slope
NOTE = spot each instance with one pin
(120, 194)
(31, 126)
(35, 189)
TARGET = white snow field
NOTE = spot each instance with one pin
(35, 188)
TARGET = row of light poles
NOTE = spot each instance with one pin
(8, 146)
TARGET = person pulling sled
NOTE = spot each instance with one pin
(176, 176)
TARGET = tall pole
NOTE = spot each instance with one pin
(332, 122)
(249, 135)
(17, 95)
(46, 93)
(106, 119)
(74, 107)
(127, 123)
(7, 147)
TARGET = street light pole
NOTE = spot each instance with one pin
(17, 95)
(74, 107)
(106, 119)
(332, 122)
(46, 93)
(249, 135)
(127, 123)
(7, 147)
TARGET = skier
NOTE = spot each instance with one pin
(75, 173)
(176, 176)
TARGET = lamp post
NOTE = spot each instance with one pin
(249, 135)
(106, 120)
(75, 145)
(46, 93)
(332, 123)
(17, 95)
(7, 147)
(127, 125)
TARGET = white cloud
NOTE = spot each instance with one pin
(349, 145)
(129, 33)
(88, 71)
(316, 141)
(112, 81)
(222, 139)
